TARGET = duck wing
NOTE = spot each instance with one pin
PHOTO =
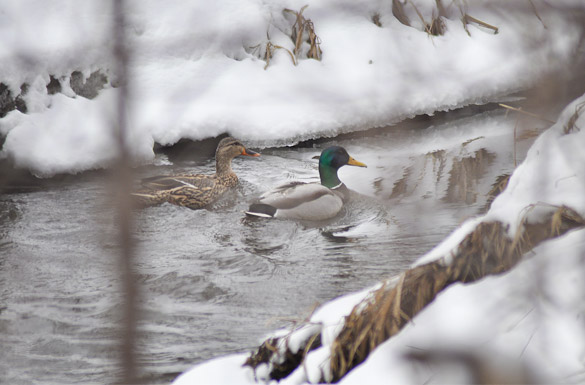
(294, 194)
(297, 200)
(168, 182)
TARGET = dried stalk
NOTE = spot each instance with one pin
(436, 27)
(485, 251)
(398, 12)
(314, 42)
(422, 19)
(298, 29)
(270, 52)
(470, 19)
(525, 113)
(572, 123)
(536, 13)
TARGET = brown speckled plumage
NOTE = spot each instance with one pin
(195, 190)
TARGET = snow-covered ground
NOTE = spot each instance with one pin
(197, 70)
(525, 325)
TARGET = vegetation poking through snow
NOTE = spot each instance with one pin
(267, 52)
(487, 250)
(572, 122)
(303, 30)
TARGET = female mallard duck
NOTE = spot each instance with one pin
(195, 190)
(309, 201)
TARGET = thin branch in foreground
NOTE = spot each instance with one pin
(122, 185)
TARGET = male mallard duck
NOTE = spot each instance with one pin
(195, 190)
(309, 201)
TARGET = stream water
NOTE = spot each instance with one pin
(214, 282)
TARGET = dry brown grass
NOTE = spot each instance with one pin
(376, 19)
(281, 364)
(499, 185)
(399, 13)
(466, 19)
(436, 27)
(301, 28)
(486, 251)
(528, 113)
(270, 48)
(572, 123)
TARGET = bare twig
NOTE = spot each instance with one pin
(470, 19)
(314, 41)
(526, 113)
(536, 13)
(436, 27)
(515, 140)
(398, 12)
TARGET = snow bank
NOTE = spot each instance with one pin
(552, 174)
(197, 70)
(521, 326)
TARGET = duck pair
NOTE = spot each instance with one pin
(296, 200)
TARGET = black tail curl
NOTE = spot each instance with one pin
(261, 210)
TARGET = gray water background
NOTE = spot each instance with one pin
(213, 282)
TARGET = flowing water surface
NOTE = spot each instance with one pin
(214, 282)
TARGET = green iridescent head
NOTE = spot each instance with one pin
(331, 159)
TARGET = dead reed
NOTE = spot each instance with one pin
(270, 48)
(303, 30)
(520, 110)
(572, 123)
(499, 185)
(488, 250)
(399, 13)
(266, 52)
(281, 364)
(468, 19)
(376, 19)
(436, 27)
